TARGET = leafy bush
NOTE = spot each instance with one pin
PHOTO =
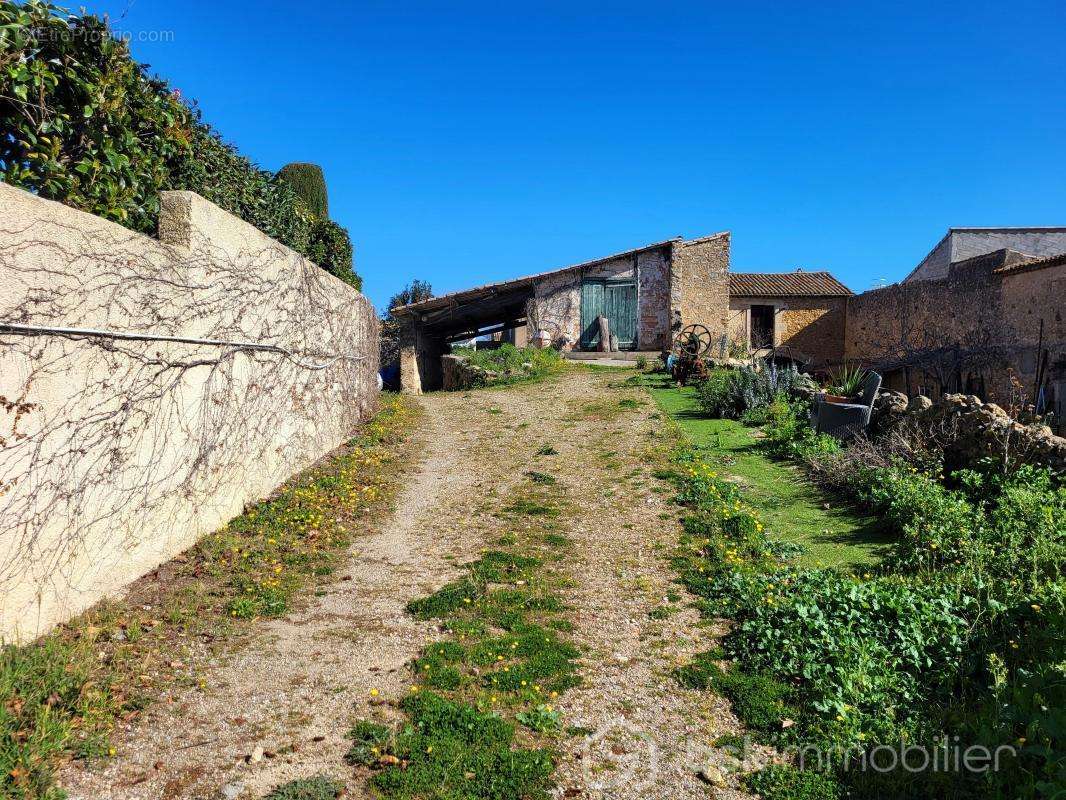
(330, 248)
(82, 123)
(740, 393)
(962, 634)
(309, 184)
(869, 654)
(782, 782)
(217, 172)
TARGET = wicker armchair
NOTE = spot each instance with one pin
(845, 420)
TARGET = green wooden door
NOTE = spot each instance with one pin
(616, 300)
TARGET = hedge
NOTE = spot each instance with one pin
(82, 123)
(309, 183)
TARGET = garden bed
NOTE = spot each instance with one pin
(957, 633)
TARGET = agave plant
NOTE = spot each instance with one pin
(847, 381)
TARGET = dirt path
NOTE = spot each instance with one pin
(279, 708)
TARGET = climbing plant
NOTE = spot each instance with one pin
(81, 122)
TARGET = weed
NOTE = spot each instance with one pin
(505, 656)
(452, 749)
(496, 566)
(533, 508)
(542, 718)
(369, 740)
(782, 782)
(446, 600)
(730, 741)
(700, 674)
(547, 450)
(320, 787)
(541, 477)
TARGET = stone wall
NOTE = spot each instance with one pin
(971, 430)
(700, 283)
(653, 300)
(117, 453)
(812, 326)
(974, 331)
(556, 305)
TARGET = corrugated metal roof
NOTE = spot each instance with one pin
(786, 284)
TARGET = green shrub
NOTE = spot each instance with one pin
(330, 248)
(82, 123)
(869, 654)
(744, 393)
(962, 634)
(782, 782)
(320, 787)
(309, 184)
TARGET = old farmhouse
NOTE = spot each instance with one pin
(647, 293)
(982, 313)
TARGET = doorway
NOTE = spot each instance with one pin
(615, 300)
(761, 332)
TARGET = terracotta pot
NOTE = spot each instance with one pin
(836, 398)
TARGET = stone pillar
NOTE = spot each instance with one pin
(420, 367)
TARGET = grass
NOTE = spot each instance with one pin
(61, 695)
(320, 787)
(513, 365)
(481, 707)
(792, 509)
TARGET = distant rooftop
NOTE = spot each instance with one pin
(786, 284)
(1032, 264)
(527, 281)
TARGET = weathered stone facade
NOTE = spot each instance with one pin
(985, 329)
(699, 286)
(812, 327)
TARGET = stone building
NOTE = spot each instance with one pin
(960, 244)
(801, 311)
(992, 325)
(647, 294)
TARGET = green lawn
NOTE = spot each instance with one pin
(833, 534)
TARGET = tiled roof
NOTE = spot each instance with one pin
(1031, 264)
(786, 284)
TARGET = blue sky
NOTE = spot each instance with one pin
(470, 142)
